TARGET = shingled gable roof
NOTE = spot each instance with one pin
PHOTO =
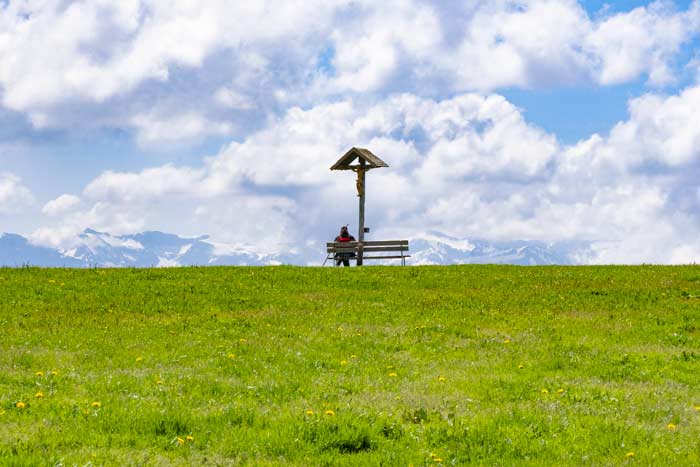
(370, 159)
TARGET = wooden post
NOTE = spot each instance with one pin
(361, 222)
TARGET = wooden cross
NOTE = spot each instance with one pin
(366, 161)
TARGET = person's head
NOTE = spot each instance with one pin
(344, 231)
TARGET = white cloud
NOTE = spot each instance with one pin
(370, 48)
(154, 131)
(97, 49)
(661, 129)
(280, 175)
(150, 184)
(137, 63)
(233, 99)
(13, 194)
(60, 205)
(644, 40)
(545, 42)
(510, 43)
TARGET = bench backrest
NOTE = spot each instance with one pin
(368, 247)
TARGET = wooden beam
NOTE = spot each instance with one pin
(368, 243)
(361, 223)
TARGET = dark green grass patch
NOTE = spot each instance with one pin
(460, 365)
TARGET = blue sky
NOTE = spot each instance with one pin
(536, 119)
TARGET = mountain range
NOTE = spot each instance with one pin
(157, 249)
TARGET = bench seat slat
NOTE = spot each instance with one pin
(385, 257)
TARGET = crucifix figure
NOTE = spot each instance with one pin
(360, 182)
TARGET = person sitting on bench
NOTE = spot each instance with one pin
(344, 237)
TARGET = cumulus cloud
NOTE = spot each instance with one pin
(554, 42)
(60, 205)
(97, 49)
(137, 63)
(470, 165)
(157, 130)
(150, 184)
(644, 40)
(13, 194)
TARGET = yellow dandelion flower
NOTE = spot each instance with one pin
(437, 459)
(442, 379)
(309, 412)
(180, 441)
(671, 426)
(231, 356)
(630, 454)
(330, 413)
(398, 398)
(359, 334)
(139, 359)
(52, 281)
(189, 438)
(521, 366)
(343, 362)
(242, 340)
(54, 373)
(696, 408)
(20, 405)
(95, 405)
(159, 382)
(39, 395)
(393, 374)
(39, 374)
(353, 357)
(560, 391)
(544, 391)
(507, 341)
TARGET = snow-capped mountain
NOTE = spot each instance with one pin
(437, 248)
(16, 250)
(157, 249)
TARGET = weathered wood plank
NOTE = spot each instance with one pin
(386, 242)
(370, 249)
(382, 257)
(367, 249)
(369, 243)
(387, 257)
(341, 250)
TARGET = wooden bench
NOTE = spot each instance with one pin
(383, 249)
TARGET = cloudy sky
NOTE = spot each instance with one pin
(504, 120)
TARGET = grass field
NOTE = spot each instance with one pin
(422, 366)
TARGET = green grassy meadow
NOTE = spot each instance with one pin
(391, 366)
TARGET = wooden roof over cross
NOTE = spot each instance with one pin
(371, 161)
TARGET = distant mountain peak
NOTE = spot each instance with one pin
(155, 248)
